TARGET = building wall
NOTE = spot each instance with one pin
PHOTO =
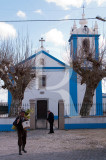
(48, 61)
(104, 102)
(85, 123)
(57, 85)
(81, 92)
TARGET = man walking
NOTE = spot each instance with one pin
(50, 119)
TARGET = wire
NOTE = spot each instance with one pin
(41, 20)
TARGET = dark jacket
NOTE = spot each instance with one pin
(50, 117)
(19, 125)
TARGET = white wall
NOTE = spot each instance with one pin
(57, 86)
(104, 104)
(81, 92)
(48, 61)
(79, 120)
(7, 120)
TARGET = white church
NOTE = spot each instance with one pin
(57, 81)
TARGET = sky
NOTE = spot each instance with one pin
(56, 34)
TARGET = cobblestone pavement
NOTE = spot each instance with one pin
(63, 145)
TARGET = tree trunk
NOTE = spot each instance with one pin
(87, 101)
(15, 108)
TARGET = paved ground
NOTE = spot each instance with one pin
(63, 145)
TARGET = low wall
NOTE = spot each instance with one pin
(85, 123)
(70, 123)
(6, 124)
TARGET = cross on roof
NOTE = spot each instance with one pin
(41, 40)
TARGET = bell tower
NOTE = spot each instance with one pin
(77, 37)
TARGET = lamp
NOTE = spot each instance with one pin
(100, 18)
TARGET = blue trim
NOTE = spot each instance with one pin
(55, 117)
(99, 105)
(73, 84)
(83, 35)
(85, 126)
(73, 93)
(6, 127)
(9, 94)
(47, 54)
(96, 48)
(9, 100)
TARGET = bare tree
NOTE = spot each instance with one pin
(91, 70)
(16, 69)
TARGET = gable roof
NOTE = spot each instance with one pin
(47, 54)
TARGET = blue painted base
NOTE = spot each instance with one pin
(55, 117)
(85, 126)
(6, 127)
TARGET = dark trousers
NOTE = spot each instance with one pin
(22, 134)
(51, 127)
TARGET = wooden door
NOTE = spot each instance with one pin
(41, 114)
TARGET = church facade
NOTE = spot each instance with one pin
(50, 85)
(57, 81)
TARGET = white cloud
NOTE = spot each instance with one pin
(55, 36)
(21, 14)
(99, 2)
(7, 31)
(67, 17)
(38, 11)
(65, 4)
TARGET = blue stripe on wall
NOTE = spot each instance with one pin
(6, 127)
(99, 106)
(96, 48)
(73, 84)
(55, 117)
(85, 126)
(9, 100)
(73, 93)
(83, 35)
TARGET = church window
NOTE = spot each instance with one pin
(41, 61)
(86, 45)
(42, 81)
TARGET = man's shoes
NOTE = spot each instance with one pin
(50, 132)
(23, 149)
(20, 153)
(20, 150)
